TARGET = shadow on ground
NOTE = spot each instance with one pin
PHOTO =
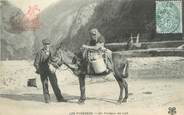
(34, 97)
(39, 98)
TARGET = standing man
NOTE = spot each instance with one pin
(41, 64)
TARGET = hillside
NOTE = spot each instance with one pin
(115, 20)
(56, 20)
(68, 21)
(16, 43)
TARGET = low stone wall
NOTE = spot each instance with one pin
(153, 52)
(145, 45)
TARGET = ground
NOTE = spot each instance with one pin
(155, 84)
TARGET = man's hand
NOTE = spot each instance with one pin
(52, 68)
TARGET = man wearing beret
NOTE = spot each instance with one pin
(41, 64)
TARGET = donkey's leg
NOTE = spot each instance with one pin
(82, 88)
(121, 88)
(125, 85)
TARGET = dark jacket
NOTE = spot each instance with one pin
(41, 61)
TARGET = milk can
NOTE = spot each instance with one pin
(98, 63)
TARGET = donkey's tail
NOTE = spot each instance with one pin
(125, 69)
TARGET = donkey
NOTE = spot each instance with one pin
(120, 71)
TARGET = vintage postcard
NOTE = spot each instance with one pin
(92, 57)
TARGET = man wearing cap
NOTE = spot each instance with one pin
(41, 64)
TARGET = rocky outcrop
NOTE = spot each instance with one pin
(115, 19)
(60, 21)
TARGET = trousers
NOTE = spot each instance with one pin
(48, 75)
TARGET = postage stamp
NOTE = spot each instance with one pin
(169, 16)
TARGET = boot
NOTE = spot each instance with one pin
(47, 98)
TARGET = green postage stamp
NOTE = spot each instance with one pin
(169, 16)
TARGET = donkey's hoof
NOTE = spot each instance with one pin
(124, 101)
(81, 101)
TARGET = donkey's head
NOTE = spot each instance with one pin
(74, 61)
(62, 56)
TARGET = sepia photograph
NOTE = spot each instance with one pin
(91, 57)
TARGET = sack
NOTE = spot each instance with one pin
(31, 82)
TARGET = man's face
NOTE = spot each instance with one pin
(93, 36)
(46, 46)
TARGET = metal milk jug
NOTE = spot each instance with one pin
(98, 63)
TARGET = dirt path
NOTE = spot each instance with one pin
(150, 96)
(155, 84)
